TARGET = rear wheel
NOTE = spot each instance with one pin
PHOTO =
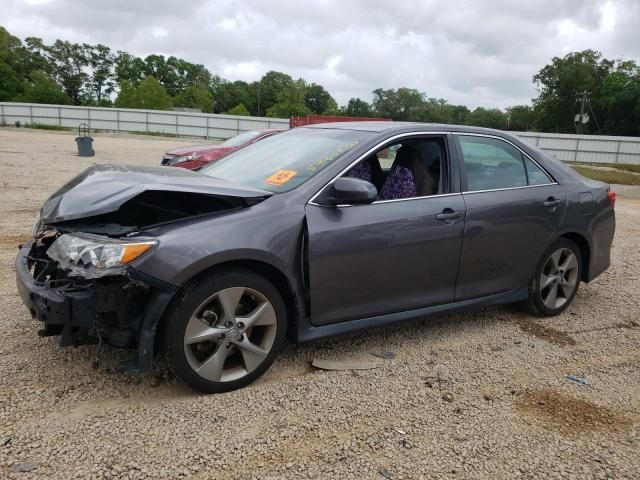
(556, 281)
(227, 332)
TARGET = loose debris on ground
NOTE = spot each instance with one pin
(327, 364)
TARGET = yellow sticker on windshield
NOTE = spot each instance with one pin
(281, 177)
(332, 156)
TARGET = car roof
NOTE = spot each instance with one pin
(399, 127)
(271, 130)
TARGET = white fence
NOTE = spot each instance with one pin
(131, 120)
(569, 148)
(586, 148)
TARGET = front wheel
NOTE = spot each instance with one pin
(556, 281)
(227, 331)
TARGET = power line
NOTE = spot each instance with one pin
(593, 114)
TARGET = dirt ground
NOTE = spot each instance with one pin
(479, 394)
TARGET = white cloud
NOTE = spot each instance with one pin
(476, 53)
(158, 32)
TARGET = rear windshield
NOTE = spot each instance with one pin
(241, 139)
(282, 162)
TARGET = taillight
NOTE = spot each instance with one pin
(612, 198)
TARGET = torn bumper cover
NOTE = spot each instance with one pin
(123, 310)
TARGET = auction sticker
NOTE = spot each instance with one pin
(281, 177)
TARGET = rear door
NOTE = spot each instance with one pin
(513, 207)
(389, 256)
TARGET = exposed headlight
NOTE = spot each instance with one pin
(185, 158)
(38, 227)
(93, 256)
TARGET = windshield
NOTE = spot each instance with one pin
(282, 162)
(241, 139)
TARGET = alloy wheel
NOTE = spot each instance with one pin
(230, 334)
(559, 278)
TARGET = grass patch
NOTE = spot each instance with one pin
(155, 134)
(629, 167)
(45, 126)
(608, 176)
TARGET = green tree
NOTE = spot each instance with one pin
(619, 105)
(127, 96)
(10, 85)
(402, 104)
(221, 98)
(271, 86)
(560, 82)
(228, 94)
(195, 96)
(385, 104)
(151, 95)
(156, 66)
(34, 57)
(104, 102)
(434, 110)
(101, 81)
(128, 68)
(239, 109)
(68, 64)
(520, 117)
(487, 117)
(41, 88)
(240, 92)
(16, 64)
(318, 100)
(357, 107)
(187, 74)
(10, 81)
(290, 102)
(458, 114)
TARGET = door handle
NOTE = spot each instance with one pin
(448, 215)
(551, 202)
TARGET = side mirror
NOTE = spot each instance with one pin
(350, 191)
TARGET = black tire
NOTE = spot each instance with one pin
(536, 302)
(192, 300)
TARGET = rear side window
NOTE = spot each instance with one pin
(535, 174)
(492, 164)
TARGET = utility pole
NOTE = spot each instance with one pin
(258, 109)
(582, 118)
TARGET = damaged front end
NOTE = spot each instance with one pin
(78, 276)
(121, 309)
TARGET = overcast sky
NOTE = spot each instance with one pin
(471, 52)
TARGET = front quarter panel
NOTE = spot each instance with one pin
(268, 232)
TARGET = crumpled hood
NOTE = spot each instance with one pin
(103, 189)
(182, 151)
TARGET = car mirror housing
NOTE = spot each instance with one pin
(350, 191)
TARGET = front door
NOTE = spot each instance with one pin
(398, 253)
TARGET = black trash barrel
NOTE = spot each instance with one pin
(84, 141)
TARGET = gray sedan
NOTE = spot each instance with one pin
(314, 232)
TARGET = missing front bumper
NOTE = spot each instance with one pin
(123, 311)
(62, 311)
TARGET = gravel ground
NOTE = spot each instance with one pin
(480, 394)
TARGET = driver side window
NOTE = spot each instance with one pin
(408, 169)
